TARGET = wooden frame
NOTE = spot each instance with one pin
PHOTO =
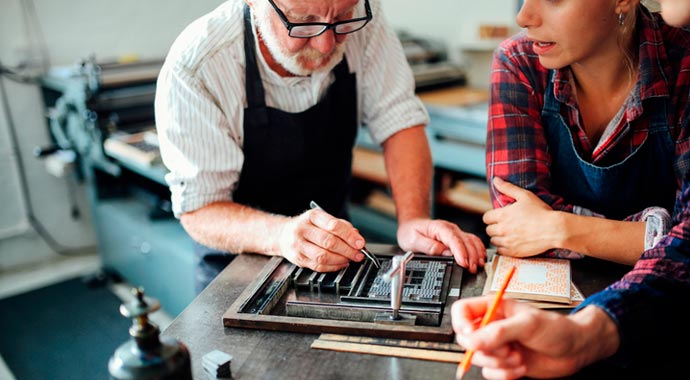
(262, 306)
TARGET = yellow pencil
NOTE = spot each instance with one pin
(488, 316)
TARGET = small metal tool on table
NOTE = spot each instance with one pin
(396, 277)
(364, 250)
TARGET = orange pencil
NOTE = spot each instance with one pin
(488, 316)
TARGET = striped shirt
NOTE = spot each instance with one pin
(200, 99)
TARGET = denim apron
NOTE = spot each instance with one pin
(290, 158)
(645, 178)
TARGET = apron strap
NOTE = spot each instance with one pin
(254, 88)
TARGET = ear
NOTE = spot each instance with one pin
(250, 3)
(624, 6)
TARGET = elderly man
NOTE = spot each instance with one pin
(257, 108)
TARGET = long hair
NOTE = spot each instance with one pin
(627, 38)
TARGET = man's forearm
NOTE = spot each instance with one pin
(235, 228)
(408, 163)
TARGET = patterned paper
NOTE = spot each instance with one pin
(537, 278)
(575, 294)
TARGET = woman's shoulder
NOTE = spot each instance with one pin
(515, 56)
(656, 34)
(518, 50)
(516, 45)
(676, 43)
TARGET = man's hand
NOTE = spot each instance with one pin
(319, 241)
(523, 228)
(440, 237)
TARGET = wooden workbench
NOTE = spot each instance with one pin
(259, 354)
(456, 96)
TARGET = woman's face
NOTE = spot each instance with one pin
(675, 12)
(565, 32)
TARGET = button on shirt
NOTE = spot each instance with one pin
(201, 97)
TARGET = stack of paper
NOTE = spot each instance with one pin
(141, 147)
(544, 282)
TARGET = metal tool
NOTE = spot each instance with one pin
(147, 355)
(364, 250)
(396, 277)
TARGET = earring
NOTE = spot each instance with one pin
(621, 19)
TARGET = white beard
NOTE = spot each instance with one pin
(291, 61)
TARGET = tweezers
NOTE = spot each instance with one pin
(364, 250)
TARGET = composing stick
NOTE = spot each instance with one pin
(488, 316)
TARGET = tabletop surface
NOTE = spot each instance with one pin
(260, 354)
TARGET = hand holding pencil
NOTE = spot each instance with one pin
(488, 316)
(515, 339)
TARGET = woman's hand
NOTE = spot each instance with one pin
(526, 227)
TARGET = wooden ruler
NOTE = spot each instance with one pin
(434, 351)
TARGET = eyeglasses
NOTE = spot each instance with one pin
(313, 29)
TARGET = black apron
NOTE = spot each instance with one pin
(290, 158)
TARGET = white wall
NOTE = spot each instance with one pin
(456, 23)
(74, 29)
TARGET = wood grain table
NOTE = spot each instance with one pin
(260, 354)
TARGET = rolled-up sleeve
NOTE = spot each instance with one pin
(198, 145)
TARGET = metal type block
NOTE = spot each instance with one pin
(401, 319)
(356, 279)
(301, 278)
(319, 281)
(273, 287)
(327, 282)
(339, 279)
(351, 301)
(359, 313)
(312, 281)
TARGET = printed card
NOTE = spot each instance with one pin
(535, 279)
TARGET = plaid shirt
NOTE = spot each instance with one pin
(650, 303)
(517, 149)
